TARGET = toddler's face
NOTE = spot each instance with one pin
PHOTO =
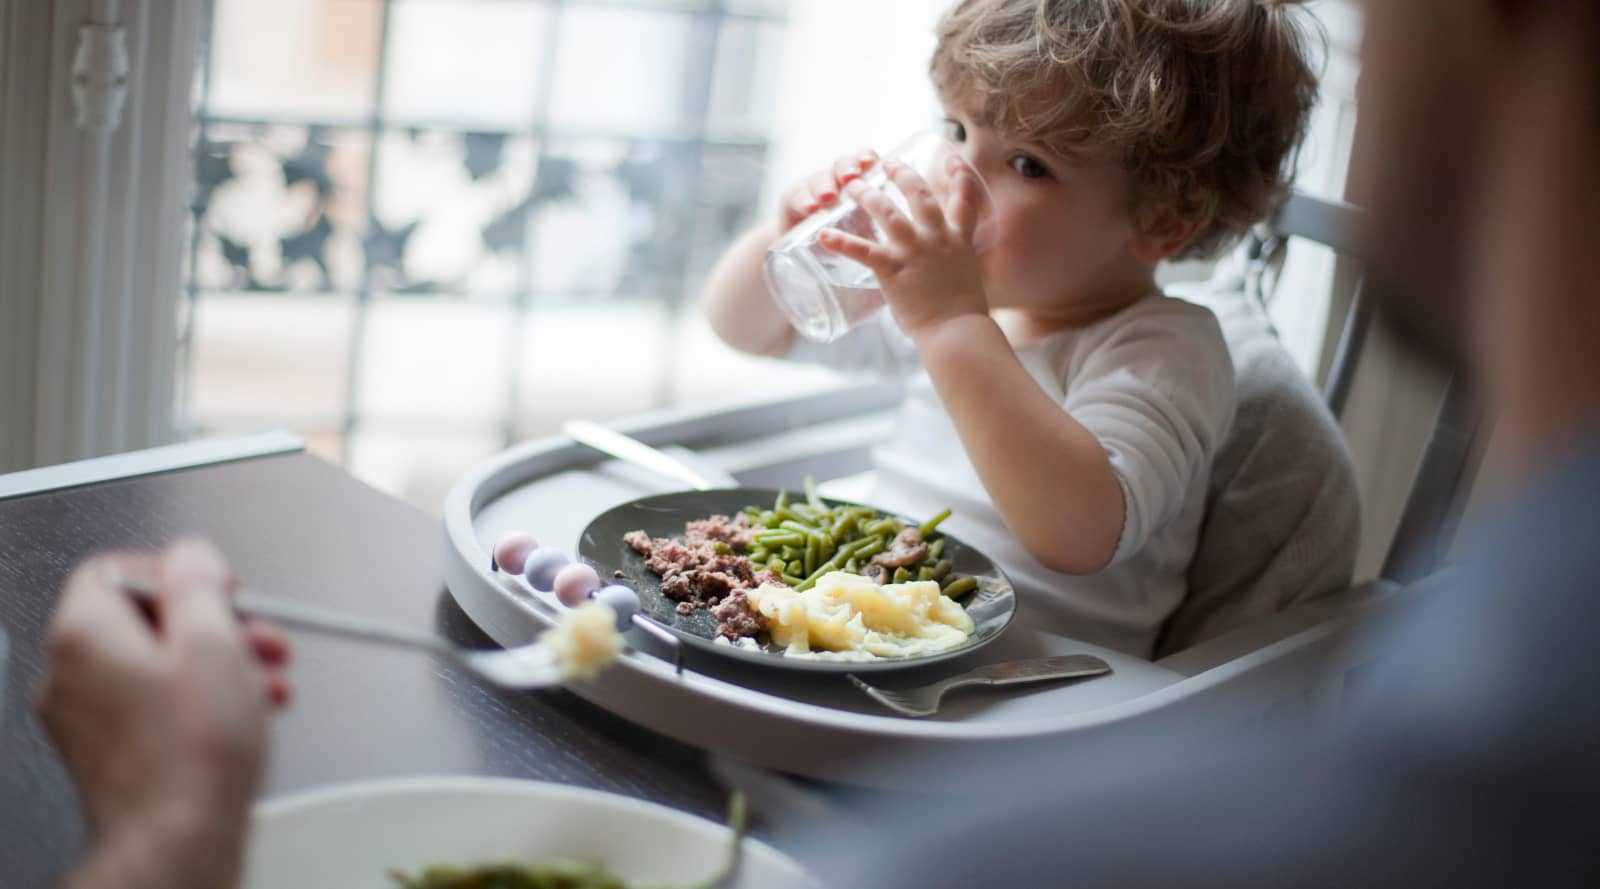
(1065, 224)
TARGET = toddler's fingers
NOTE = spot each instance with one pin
(847, 169)
(966, 201)
(924, 205)
(896, 227)
(798, 204)
(822, 189)
(869, 253)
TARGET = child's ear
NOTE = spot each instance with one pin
(1164, 235)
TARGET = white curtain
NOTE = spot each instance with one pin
(94, 218)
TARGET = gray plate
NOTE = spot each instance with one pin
(991, 605)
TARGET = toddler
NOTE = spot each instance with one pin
(1064, 407)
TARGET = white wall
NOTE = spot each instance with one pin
(853, 74)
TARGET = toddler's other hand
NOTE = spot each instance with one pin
(926, 264)
(822, 187)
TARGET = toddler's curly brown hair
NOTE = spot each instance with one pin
(1203, 101)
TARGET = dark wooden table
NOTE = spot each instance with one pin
(299, 528)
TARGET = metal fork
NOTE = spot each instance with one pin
(520, 667)
(924, 700)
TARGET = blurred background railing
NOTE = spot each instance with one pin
(426, 229)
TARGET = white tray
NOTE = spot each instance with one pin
(812, 725)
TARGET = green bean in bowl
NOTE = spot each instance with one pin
(571, 874)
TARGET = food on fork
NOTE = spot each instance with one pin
(584, 640)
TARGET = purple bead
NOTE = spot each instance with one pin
(541, 568)
(511, 551)
(575, 582)
(622, 600)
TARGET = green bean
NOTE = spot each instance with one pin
(797, 568)
(941, 568)
(960, 586)
(790, 580)
(813, 555)
(851, 565)
(781, 502)
(796, 526)
(785, 514)
(790, 552)
(936, 549)
(780, 538)
(890, 527)
(721, 548)
(776, 565)
(927, 527)
(924, 573)
(811, 494)
(807, 512)
(901, 575)
(870, 547)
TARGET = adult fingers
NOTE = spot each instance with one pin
(94, 614)
(279, 691)
(920, 198)
(271, 647)
(196, 583)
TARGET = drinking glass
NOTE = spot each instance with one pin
(824, 294)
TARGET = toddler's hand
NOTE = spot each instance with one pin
(822, 187)
(926, 265)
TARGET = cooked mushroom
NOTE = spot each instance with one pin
(875, 573)
(908, 549)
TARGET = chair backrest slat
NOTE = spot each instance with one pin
(1421, 541)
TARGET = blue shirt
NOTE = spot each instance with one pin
(1470, 757)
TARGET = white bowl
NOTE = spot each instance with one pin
(349, 837)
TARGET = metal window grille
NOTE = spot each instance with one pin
(683, 179)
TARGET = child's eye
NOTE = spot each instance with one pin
(1028, 167)
(954, 131)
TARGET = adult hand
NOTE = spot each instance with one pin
(161, 720)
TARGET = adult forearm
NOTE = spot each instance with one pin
(1047, 475)
(736, 300)
(162, 855)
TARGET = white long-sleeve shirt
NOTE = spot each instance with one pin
(1153, 383)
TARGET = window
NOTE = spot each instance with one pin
(426, 229)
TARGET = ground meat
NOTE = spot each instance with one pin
(694, 574)
(735, 617)
(908, 549)
(736, 532)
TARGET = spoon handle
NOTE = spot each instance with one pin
(306, 617)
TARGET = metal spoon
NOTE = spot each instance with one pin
(520, 667)
(924, 700)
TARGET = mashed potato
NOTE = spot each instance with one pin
(585, 640)
(847, 616)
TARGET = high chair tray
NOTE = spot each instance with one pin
(811, 724)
